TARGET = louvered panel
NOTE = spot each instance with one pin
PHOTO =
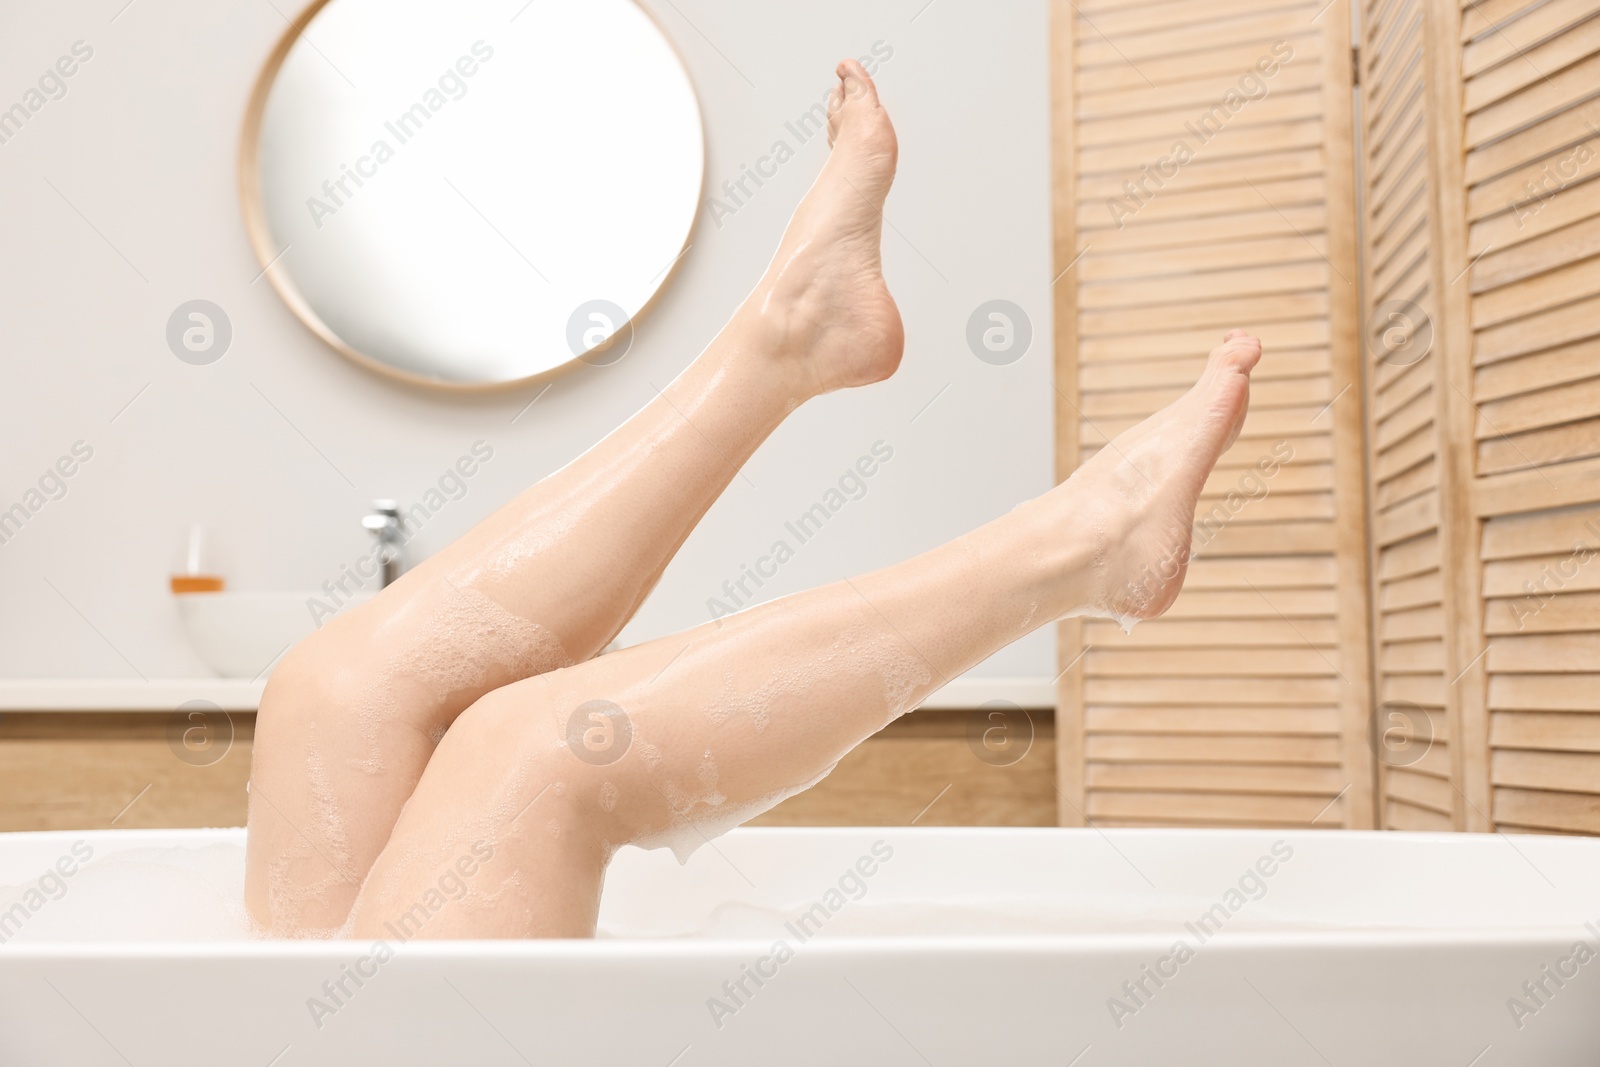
(1561, 613)
(1542, 587)
(1541, 447)
(1546, 731)
(1479, 17)
(1545, 653)
(1419, 790)
(1408, 558)
(1165, 719)
(1424, 656)
(1398, 815)
(1247, 703)
(1164, 84)
(1170, 632)
(1408, 485)
(1539, 60)
(1404, 455)
(1568, 772)
(1106, 807)
(1516, 262)
(1215, 778)
(1533, 134)
(1548, 810)
(1403, 402)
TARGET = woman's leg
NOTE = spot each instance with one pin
(351, 716)
(509, 832)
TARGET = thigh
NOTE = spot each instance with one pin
(504, 835)
(346, 726)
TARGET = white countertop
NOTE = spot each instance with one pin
(121, 694)
(237, 694)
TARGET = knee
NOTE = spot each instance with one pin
(342, 676)
(607, 775)
(307, 679)
(290, 688)
(582, 772)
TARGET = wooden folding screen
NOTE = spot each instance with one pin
(1481, 138)
(1414, 456)
(1204, 179)
(1516, 171)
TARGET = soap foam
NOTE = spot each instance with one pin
(1127, 622)
(480, 891)
(288, 894)
(190, 894)
(509, 556)
(143, 894)
(692, 810)
(449, 639)
(327, 813)
(858, 651)
(687, 831)
(901, 670)
(473, 640)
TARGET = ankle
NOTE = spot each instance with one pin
(1068, 556)
(772, 335)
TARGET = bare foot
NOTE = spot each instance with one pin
(1138, 494)
(824, 291)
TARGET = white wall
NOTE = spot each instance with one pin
(118, 203)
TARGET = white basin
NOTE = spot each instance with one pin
(241, 635)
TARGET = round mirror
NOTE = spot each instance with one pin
(471, 193)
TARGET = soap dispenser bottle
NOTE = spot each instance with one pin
(193, 573)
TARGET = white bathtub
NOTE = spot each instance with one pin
(962, 947)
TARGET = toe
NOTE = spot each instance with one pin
(853, 104)
(857, 84)
(860, 124)
(1240, 351)
(835, 112)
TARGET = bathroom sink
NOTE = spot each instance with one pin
(241, 635)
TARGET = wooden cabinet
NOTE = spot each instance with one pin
(62, 771)
(82, 770)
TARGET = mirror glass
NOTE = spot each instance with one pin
(469, 193)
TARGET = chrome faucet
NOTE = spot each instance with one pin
(384, 525)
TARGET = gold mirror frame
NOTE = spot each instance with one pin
(260, 233)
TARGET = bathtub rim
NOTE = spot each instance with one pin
(1398, 837)
(675, 947)
(579, 950)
